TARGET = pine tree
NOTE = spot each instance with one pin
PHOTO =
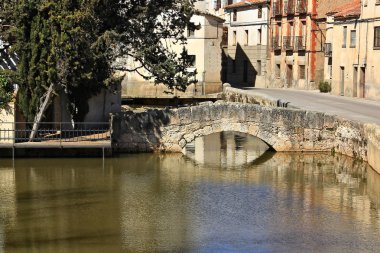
(70, 45)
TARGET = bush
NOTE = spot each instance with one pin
(324, 87)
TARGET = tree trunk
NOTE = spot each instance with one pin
(45, 102)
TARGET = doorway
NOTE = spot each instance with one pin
(362, 82)
(355, 82)
(289, 75)
(342, 81)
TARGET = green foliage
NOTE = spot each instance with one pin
(6, 89)
(73, 43)
(324, 86)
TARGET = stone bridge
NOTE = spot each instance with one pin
(281, 128)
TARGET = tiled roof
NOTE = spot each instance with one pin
(352, 9)
(245, 3)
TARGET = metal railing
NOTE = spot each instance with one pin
(301, 6)
(328, 49)
(300, 43)
(55, 132)
(277, 8)
(288, 42)
(276, 44)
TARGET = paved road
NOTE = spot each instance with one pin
(362, 110)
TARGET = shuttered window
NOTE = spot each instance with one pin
(376, 43)
(353, 39)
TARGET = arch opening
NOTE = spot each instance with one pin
(227, 149)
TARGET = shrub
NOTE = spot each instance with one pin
(324, 87)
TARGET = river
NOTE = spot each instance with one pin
(228, 194)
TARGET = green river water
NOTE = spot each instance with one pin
(226, 195)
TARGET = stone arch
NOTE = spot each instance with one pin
(240, 127)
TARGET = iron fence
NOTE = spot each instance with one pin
(288, 42)
(54, 132)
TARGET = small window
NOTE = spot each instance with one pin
(376, 43)
(234, 16)
(192, 60)
(302, 72)
(246, 37)
(259, 68)
(259, 36)
(278, 71)
(260, 12)
(234, 38)
(353, 39)
(344, 45)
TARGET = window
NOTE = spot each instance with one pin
(353, 39)
(234, 38)
(259, 68)
(376, 43)
(260, 12)
(344, 36)
(234, 16)
(190, 32)
(278, 71)
(218, 4)
(246, 37)
(301, 72)
(259, 36)
(192, 60)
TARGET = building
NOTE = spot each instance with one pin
(353, 49)
(203, 44)
(298, 33)
(246, 50)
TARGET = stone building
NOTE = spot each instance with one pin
(297, 35)
(353, 49)
(204, 44)
(246, 51)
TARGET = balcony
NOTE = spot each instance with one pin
(328, 49)
(301, 6)
(288, 43)
(300, 43)
(276, 45)
(276, 9)
(289, 7)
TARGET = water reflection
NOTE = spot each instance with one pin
(226, 149)
(165, 203)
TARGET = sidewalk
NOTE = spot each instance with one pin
(357, 109)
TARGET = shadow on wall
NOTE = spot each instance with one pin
(238, 71)
(139, 132)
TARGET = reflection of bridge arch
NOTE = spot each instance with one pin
(226, 150)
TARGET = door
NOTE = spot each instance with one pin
(355, 82)
(362, 82)
(245, 71)
(289, 76)
(342, 81)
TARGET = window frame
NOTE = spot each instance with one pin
(376, 37)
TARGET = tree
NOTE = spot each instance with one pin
(69, 46)
(6, 90)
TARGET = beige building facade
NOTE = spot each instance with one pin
(245, 54)
(203, 44)
(354, 59)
